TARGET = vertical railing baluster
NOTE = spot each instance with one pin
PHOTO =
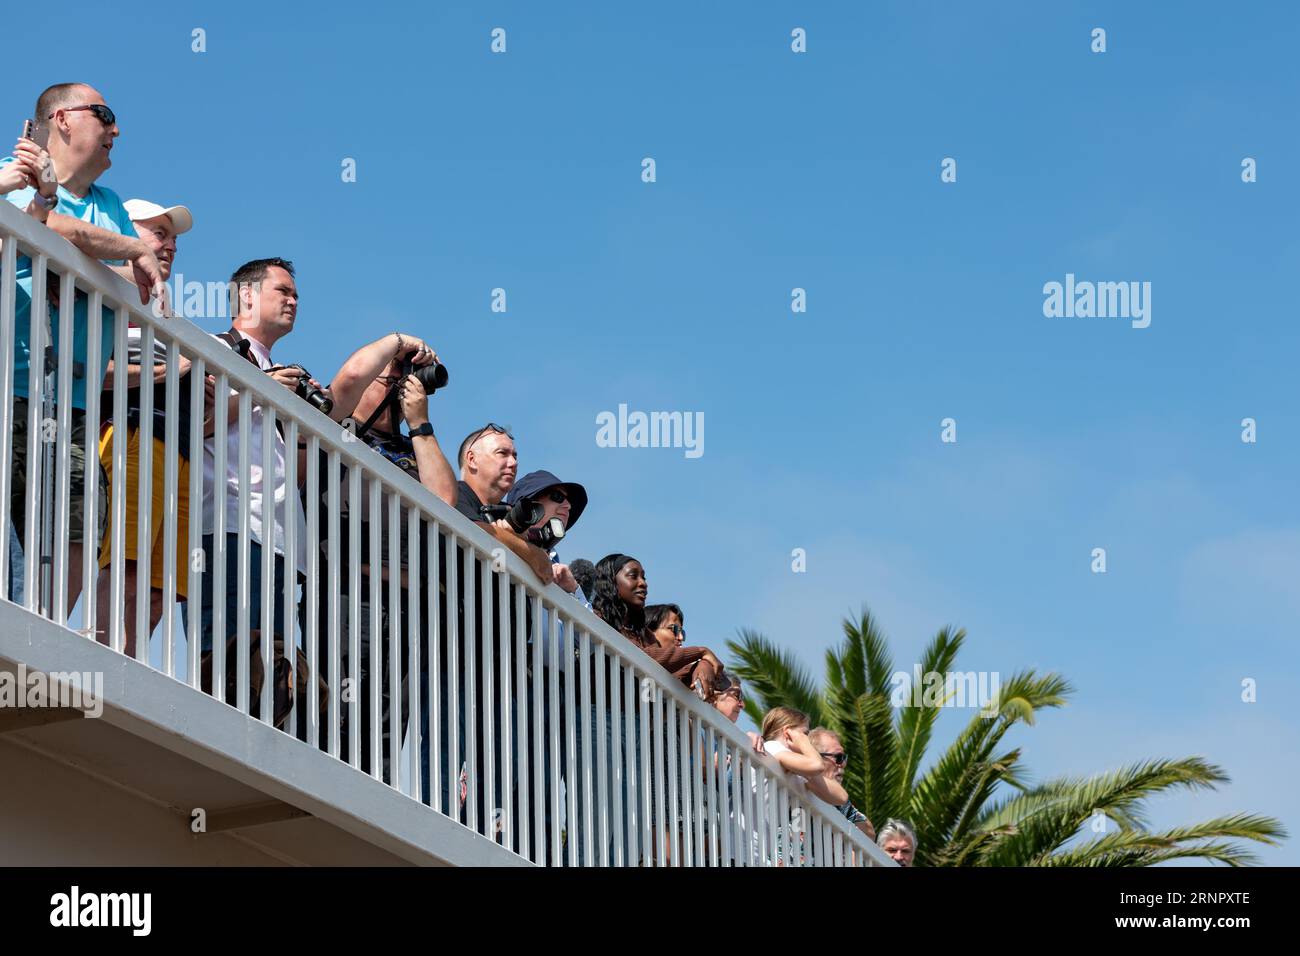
(144, 490)
(171, 503)
(62, 477)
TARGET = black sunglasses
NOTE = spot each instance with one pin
(102, 112)
(840, 758)
(677, 629)
(558, 496)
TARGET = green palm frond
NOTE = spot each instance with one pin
(916, 720)
(865, 656)
(1139, 848)
(774, 678)
(941, 797)
(1118, 794)
(871, 775)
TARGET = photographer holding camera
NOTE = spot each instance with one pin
(396, 392)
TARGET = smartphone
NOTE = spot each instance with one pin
(27, 129)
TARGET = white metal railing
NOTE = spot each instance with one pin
(519, 711)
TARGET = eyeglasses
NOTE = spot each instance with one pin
(490, 427)
(558, 496)
(102, 112)
(677, 629)
(840, 758)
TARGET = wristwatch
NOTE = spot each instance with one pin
(421, 430)
(48, 203)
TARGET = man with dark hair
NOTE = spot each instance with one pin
(78, 130)
(584, 572)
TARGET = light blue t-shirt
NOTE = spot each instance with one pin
(99, 207)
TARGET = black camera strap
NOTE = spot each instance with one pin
(241, 345)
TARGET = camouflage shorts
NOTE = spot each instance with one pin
(75, 531)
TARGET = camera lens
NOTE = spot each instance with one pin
(431, 377)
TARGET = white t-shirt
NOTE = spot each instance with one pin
(260, 475)
(773, 747)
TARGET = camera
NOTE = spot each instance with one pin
(310, 393)
(521, 516)
(431, 377)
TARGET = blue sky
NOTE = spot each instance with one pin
(820, 170)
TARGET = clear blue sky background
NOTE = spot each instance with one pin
(820, 170)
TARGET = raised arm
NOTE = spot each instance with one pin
(435, 471)
(366, 363)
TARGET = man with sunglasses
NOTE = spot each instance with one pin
(835, 758)
(566, 502)
(77, 130)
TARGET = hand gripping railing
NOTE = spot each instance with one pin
(430, 657)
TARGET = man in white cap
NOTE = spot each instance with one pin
(157, 227)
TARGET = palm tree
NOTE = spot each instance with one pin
(973, 806)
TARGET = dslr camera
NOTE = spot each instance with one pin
(431, 377)
(310, 393)
(521, 516)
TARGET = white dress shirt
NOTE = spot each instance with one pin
(259, 474)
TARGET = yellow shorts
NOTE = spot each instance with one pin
(157, 477)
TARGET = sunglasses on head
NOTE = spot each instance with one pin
(490, 427)
(102, 112)
(840, 758)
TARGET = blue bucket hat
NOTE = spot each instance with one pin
(535, 482)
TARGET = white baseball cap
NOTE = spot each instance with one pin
(140, 209)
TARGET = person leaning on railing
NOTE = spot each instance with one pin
(388, 399)
(619, 599)
(78, 131)
(834, 759)
(489, 464)
(158, 228)
(667, 623)
(562, 502)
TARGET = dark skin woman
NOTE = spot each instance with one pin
(619, 600)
